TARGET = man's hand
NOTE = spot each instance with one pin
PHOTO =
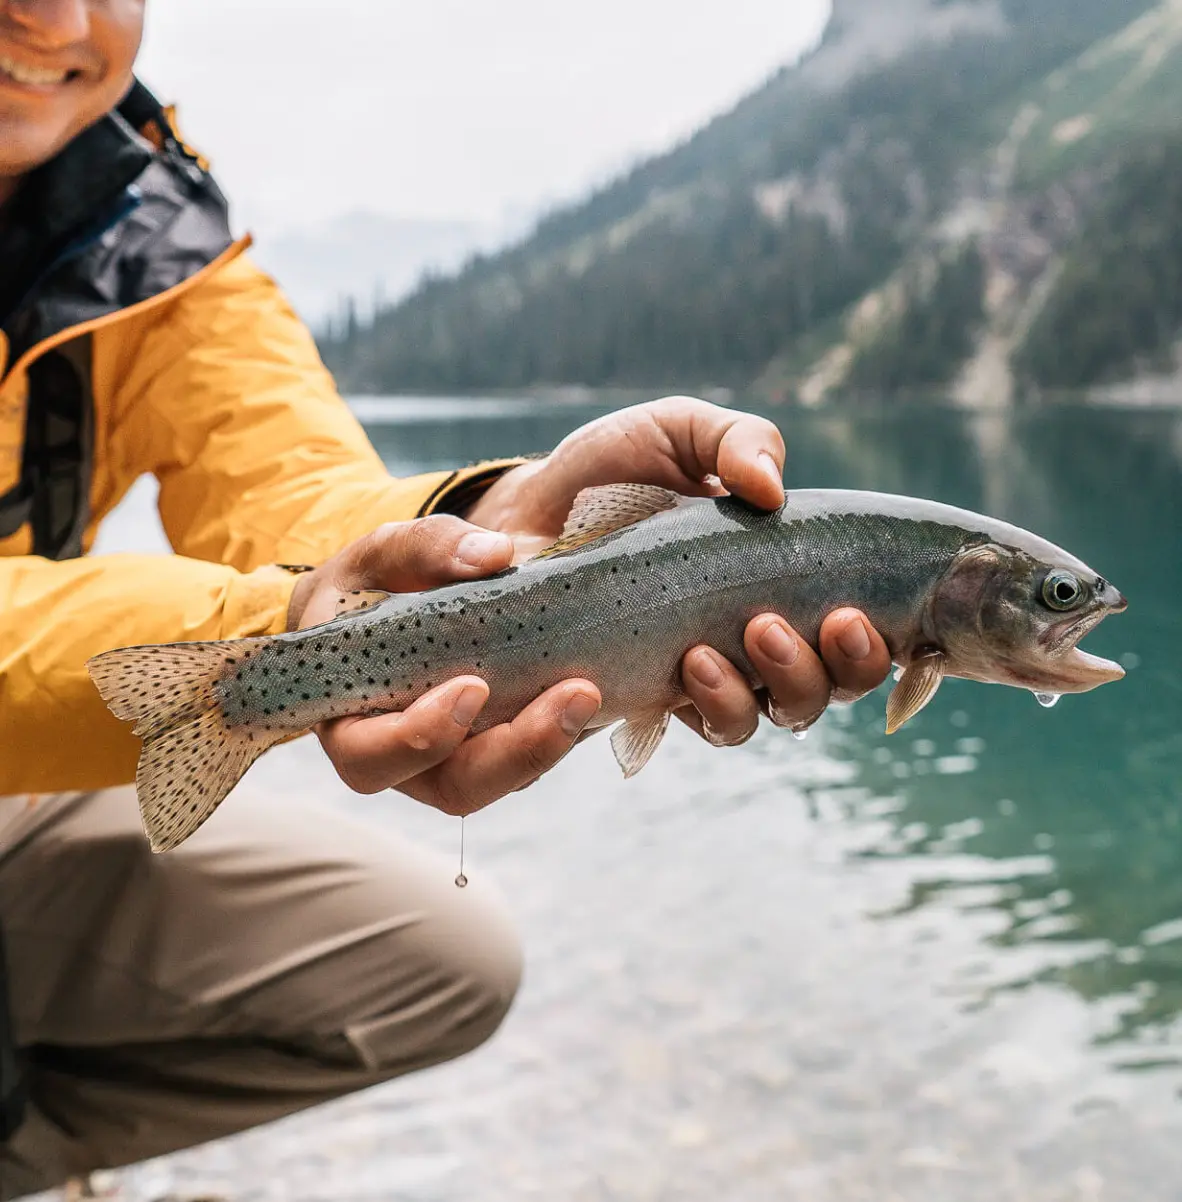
(426, 751)
(679, 443)
(698, 449)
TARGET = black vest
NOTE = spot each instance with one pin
(111, 222)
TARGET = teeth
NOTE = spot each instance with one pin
(31, 75)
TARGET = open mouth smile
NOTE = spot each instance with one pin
(41, 78)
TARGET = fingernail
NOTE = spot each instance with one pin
(706, 669)
(771, 469)
(467, 705)
(854, 640)
(580, 709)
(474, 549)
(779, 646)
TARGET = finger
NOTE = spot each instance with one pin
(679, 443)
(798, 685)
(855, 654)
(746, 453)
(512, 755)
(726, 705)
(371, 754)
(407, 556)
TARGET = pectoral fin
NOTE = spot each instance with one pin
(917, 686)
(635, 740)
(610, 507)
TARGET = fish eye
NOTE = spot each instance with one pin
(1062, 590)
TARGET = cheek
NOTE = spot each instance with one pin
(117, 30)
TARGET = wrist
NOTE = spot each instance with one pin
(298, 601)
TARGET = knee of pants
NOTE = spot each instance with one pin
(469, 977)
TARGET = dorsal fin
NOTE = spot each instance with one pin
(600, 511)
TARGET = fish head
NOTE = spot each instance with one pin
(1005, 615)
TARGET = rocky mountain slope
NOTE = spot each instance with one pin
(982, 197)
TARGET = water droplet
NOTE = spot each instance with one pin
(800, 735)
(461, 881)
(1047, 700)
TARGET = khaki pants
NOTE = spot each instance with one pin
(282, 957)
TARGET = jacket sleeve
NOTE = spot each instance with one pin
(57, 732)
(258, 457)
(260, 462)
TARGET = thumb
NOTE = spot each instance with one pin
(404, 557)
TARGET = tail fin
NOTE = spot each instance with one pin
(190, 759)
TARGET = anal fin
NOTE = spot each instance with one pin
(635, 740)
(917, 686)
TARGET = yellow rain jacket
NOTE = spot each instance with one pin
(151, 344)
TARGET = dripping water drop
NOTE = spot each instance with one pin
(1047, 700)
(800, 735)
(461, 879)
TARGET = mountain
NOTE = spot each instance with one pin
(976, 196)
(366, 258)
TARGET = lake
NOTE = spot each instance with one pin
(945, 965)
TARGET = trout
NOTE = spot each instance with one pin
(639, 576)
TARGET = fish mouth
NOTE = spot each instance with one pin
(1073, 669)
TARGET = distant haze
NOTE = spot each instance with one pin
(447, 125)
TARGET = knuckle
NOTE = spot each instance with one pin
(425, 537)
(358, 782)
(453, 797)
(735, 737)
(536, 759)
(802, 710)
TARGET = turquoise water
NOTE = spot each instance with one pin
(1091, 791)
(941, 967)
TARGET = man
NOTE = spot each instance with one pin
(283, 956)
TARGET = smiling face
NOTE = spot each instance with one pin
(63, 65)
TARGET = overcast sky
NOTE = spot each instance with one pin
(470, 109)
